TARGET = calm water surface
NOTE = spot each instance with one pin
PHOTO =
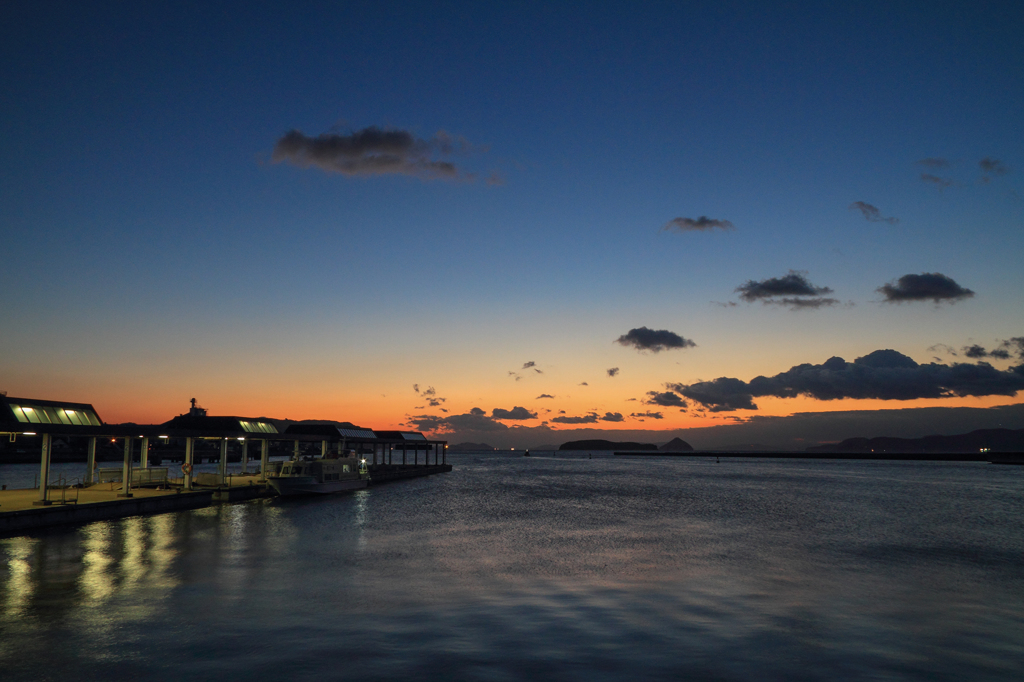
(513, 568)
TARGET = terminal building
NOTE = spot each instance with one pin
(185, 437)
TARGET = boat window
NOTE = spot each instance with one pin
(344, 467)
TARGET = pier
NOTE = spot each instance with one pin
(138, 486)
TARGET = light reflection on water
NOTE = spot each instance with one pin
(546, 568)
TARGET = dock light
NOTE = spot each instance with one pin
(29, 433)
(163, 436)
(241, 439)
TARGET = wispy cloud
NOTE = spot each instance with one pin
(543, 395)
(647, 415)
(934, 162)
(1006, 350)
(928, 286)
(613, 371)
(654, 340)
(941, 183)
(701, 224)
(430, 394)
(992, 168)
(591, 418)
(373, 151)
(585, 419)
(871, 213)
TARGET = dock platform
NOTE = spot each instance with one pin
(71, 506)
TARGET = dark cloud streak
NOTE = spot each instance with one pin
(927, 286)
(871, 213)
(654, 340)
(701, 224)
(372, 151)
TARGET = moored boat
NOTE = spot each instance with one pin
(319, 476)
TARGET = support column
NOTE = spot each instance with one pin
(323, 449)
(295, 455)
(245, 456)
(126, 470)
(144, 456)
(44, 472)
(189, 447)
(444, 454)
(264, 459)
(222, 470)
(90, 462)
(403, 454)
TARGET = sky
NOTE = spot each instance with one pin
(519, 224)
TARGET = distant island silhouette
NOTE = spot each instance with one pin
(983, 440)
(605, 445)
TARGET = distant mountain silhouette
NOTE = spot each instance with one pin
(676, 445)
(994, 440)
(605, 445)
(470, 447)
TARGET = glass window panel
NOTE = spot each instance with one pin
(93, 419)
(61, 416)
(75, 418)
(31, 415)
(19, 414)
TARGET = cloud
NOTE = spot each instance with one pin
(941, 183)
(529, 364)
(430, 394)
(699, 224)
(871, 213)
(882, 375)
(612, 417)
(583, 383)
(644, 339)
(474, 420)
(721, 395)
(647, 415)
(543, 395)
(975, 351)
(666, 399)
(613, 371)
(586, 419)
(373, 151)
(793, 290)
(991, 168)
(516, 413)
(934, 163)
(803, 303)
(1004, 351)
(927, 286)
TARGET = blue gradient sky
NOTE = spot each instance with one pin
(153, 252)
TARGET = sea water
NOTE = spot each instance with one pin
(545, 568)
